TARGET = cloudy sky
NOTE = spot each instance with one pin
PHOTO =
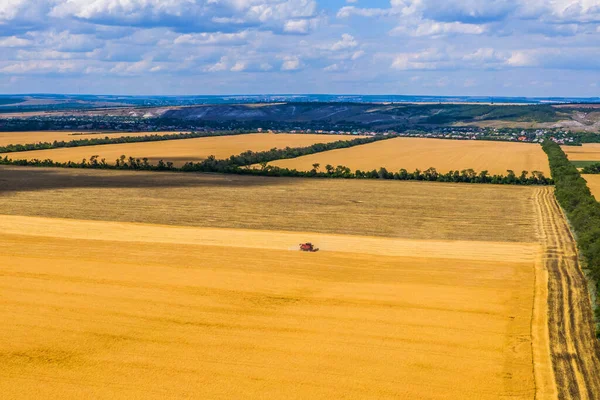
(430, 47)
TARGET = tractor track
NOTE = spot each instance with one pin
(574, 350)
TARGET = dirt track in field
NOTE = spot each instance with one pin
(573, 346)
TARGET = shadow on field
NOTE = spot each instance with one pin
(21, 179)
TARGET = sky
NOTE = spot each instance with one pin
(410, 47)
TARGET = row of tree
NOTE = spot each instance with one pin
(591, 169)
(580, 206)
(430, 174)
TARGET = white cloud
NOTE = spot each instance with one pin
(485, 55)
(357, 54)
(450, 59)
(13, 9)
(332, 68)
(431, 28)
(221, 65)
(291, 63)
(14, 41)
(213, 38)
(429, 59)
(347, 42)
(238, 67)
(349, 11)
(40, 67)
(300, 26)
(135, 68)
(521, 59)
(191, 15)
(433, 17)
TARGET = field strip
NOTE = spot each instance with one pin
(574, 349)
(545, 382)
(275, 240)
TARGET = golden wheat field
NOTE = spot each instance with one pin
(593, 182)
(417, 153)
(436, 301)
(181, 151)
(586, 152)
(140, 311)
(28, 137)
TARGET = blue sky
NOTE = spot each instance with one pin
(429, 47)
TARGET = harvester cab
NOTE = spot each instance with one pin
(309, 247)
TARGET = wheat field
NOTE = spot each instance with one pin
(183, 150)
(593, 182)
(586, 152)
(417, 153)
(121, 310)
(27, 137)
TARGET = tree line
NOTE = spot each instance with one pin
(591, 169)
(581, 208)
(430, 175)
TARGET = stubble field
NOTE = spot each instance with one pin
(443, 155)
(181, 151)
(444, 303)
(371, 208)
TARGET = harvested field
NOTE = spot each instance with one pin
(572, 338)
(7, 138)
(183, 150)
(417, 210)
(158, 312)
(593, 182)
(587, 152)
(443, 155)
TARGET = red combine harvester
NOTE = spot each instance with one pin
(309, 247)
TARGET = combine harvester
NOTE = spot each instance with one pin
(308, 247)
